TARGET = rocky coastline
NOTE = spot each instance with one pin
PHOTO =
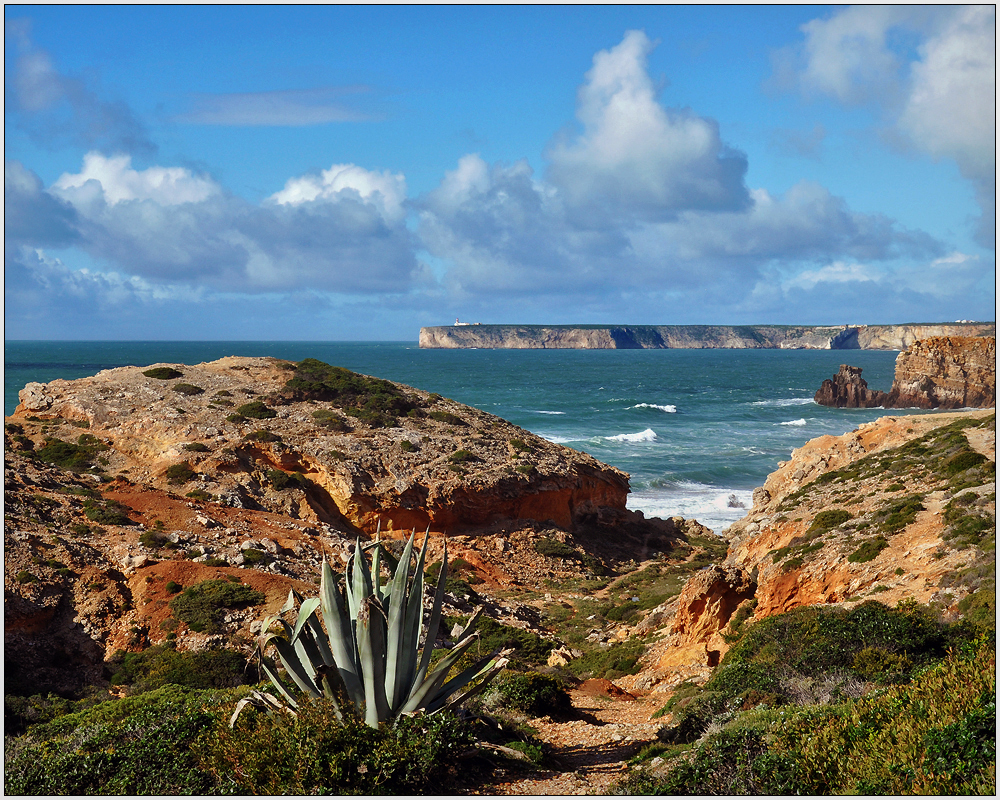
(940, 372)
(632, 337)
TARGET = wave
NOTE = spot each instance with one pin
(547, 412)
(794, 422)
(788, 401)
(648, 435)
(558, 439)
(667, 409)
(713, 506)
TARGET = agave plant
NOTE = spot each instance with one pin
(369, 656)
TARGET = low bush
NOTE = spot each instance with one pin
(312, 753)
(533, 693)
(196, 447)
(869, 550)
(201, 606)
(67, 455)
(279, 480)
(553, 548)
(162, 373)
(331, 420)
(446, 416)
(188, 389)
(106, 512)
(200, 494)
(180, 473)
(199, 669)
(256, 410)
(263, 436)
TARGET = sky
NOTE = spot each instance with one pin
(354, 173)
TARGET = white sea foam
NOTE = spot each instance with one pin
(667, 409)
(788, 401)
(557, 439)
(554, 413)
(648, 435)
(713, 506)
(793, 422)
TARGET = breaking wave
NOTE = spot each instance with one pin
(648, 435)
(667, 409)
(794, 422)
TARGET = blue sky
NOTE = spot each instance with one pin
(349, 173)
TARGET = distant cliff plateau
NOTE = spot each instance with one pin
(655, 337)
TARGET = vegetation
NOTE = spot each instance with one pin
(446, 416)
(201, 606)
(196, 447)
(369, 657)
(161, 665)
(188, 389)
(279, 480)
(553, 548)
(106, 512)
(180, 473)
(74, 457)
(374, 401)
(162, 373)
(533, 693)
(331, 420)
(255, 410)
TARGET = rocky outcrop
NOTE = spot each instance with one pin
(443, 464)
(946, 372)
(848, 389)
(943, 372)
(631, 337)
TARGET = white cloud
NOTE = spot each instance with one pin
(636, 158)
(837, 272)
(115, 181)
(385, 190)
(941, 102)
(295, 107)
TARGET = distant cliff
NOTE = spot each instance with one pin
(653, 337)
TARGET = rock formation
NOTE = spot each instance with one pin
(942, 372)
(631, 337)
(903, 508)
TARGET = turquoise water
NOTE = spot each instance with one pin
(697, 430)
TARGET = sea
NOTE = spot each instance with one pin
(697, 430)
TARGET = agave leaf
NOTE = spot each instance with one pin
(470, 626)
(394, 662)
(423, 694)
(435, 621)
(289, 603)
(271, 676)
(412, 625)
(371, 652)
(361, 584)
(305, 612)
(479, 687)
(467, 675)
(340, 631)
(377, 562)
(296, 670)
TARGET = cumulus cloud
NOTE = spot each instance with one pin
(385, 190)
(637, 158)
(53, 108)
(502, 231)
(169, 225)
(31, 213)
(296, 107)
(941, 102)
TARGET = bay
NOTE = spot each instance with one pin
(697, 430)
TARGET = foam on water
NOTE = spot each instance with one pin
(553, 413)
(648, 435)
(713, 506)
(788, 401)
(667, 409)
(794, 422)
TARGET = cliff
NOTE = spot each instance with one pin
(902, 508)
(865, 337)
(941, 372)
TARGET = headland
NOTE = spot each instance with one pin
(657, 337)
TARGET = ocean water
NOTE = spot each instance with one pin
(697, 430)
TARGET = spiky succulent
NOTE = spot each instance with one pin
(369, 658)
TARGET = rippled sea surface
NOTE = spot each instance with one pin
(697, 430)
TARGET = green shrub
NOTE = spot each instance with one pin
(263, 435)
(620, 659)
(533, 693)
(463, 457)
(106, 512)
(188, 389)
(214, 561)
(162, 373)
(74, 457)
(526, 469)
(196, 447)
(963, 461)
(252, 557)
(180, 473)
(280, 480)
(201, 605)
(520, 446)
(236, 418)
(869, 550)
(26, 577)
(256, 410)
(199, 669)
(173, 587)
(447, 417)
(825, 520)
(132, 746)
(330, 420)
(407, 446)
(553, 548)
(200, 494)
(313, 753)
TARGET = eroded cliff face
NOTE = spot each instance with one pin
(901, 508)
(844, 337)
(444, 465)
(942, 372)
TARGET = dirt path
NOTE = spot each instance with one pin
(590, 753)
